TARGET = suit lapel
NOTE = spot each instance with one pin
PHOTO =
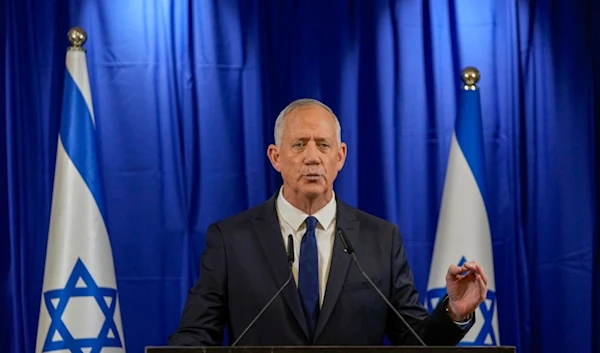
(269, 235)
(340, 262)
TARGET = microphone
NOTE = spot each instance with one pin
(290, 251)
(349, 249)
(290, 258)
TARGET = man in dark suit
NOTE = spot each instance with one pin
(328, 302)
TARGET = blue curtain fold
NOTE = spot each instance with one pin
(186, 94)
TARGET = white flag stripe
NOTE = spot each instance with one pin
(77, 68)
(77, 230)
(462, 214)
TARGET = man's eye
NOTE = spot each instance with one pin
(324, 145)
(298, 144)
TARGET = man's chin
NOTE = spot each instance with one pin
(313, 191)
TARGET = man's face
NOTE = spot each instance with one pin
(309, 157)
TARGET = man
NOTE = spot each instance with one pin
(328, 302)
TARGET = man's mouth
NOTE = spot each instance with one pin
(312, 176)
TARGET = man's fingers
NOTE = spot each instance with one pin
(454, 270)
(483, 287)
(466, 269)
(471, 266)
(483, 275)
(475, 267)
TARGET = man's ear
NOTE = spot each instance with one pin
(273, 153)
(341, 155)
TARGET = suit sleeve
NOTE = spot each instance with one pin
(436, 329)
(205, 311)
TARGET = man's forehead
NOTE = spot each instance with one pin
(308, 132)
(311, 136)
(321, 120)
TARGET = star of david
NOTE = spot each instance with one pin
(435, 295)
(56, 302)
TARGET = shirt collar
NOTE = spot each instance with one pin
(296, 218)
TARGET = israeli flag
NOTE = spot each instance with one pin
(79, 306)
(463, 231)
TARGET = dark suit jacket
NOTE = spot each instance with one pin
(245, 263)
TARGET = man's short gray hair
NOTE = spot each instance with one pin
(279, 123)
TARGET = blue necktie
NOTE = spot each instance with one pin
(308, 276)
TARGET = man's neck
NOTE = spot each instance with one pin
(307, 204)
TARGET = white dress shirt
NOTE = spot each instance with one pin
(293, 221)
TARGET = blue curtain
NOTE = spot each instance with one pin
(186, 94)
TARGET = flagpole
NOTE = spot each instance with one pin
(470, 76)
(77, 36)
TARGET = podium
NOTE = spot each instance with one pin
(332, 349)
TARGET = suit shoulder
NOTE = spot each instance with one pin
(241, 219)
(372, 222)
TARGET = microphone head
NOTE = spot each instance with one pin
(290, 249)
(348, 248)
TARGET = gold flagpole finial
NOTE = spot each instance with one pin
(77, 37)
(470, 76)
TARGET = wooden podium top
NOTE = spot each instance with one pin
(331, 349)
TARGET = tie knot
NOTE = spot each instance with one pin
(311, 223)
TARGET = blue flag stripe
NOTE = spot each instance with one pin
(469, 134)
(77, 134)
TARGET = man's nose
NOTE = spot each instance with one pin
(312, 154)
